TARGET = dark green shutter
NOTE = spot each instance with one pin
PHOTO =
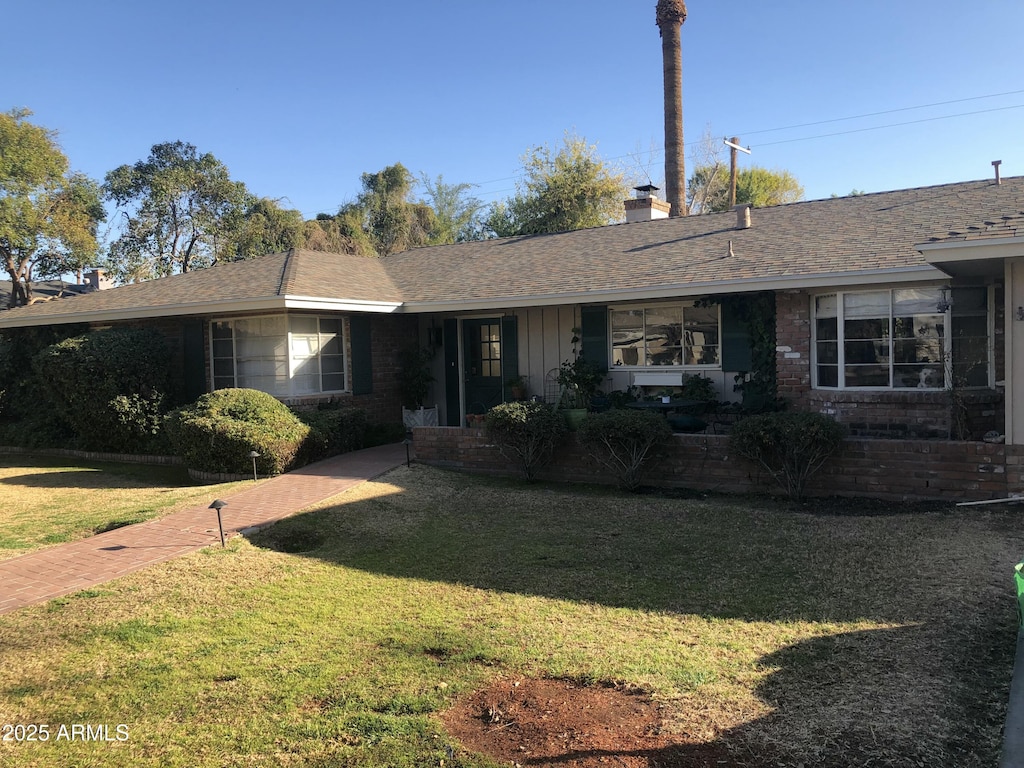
(193, 360)
(453, 410)
(509, 354)
(736, 355)
(594, 334)
(362, 355)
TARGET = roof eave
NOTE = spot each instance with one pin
(191, 309)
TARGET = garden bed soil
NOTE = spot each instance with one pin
(544, 722)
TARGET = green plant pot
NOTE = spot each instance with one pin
(574, 417)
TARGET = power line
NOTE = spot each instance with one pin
(889, 125)
(883, 112)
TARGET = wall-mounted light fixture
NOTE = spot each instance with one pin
(944, 303)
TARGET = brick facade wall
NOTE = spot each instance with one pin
(904, 413)
(887, 469)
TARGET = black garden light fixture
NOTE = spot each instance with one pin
(218, 505)
(253, 455)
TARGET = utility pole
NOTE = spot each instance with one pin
(733, 144)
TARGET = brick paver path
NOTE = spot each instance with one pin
(65, 568)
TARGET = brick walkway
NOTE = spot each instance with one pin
(65, 568)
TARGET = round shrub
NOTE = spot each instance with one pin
(790, 446)
(217, 432)
(526, 433)
(624, 441)
(110, 386)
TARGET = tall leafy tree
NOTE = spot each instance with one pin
(181, 212)
(760, 187)
(264, 227)
(457, 214)
(48, 216)
(571, 188)
(341, 233)
(390, 220)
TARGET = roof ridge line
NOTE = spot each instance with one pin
(287, 272)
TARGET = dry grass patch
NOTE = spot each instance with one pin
(765, 635)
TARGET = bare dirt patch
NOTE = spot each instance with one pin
(541, 722)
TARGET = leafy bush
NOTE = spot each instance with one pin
(790, 446)
(526, 433)
(110, 386)
(624, 441)
(698, 388)
(217, 432)
(332, 430)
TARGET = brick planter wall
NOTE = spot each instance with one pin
(887, 469)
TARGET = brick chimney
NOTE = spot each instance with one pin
(645, 206)
(97, 280)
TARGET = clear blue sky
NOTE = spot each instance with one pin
(298, 99)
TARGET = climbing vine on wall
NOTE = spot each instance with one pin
(757, 312)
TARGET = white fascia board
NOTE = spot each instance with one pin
(265, 304)
(140, 313)
(972, 250)
(321, 304)
(797, 282)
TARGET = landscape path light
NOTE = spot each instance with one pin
(217, 505)
(253, 455)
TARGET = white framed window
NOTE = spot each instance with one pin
(283, 355)
(902, 338)
(657, 335)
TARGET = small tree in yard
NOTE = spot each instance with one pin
(624, 442)
(790, 446)
(525, 433)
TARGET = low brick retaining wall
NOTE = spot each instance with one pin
(886, 469)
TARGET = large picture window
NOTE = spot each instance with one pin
(907, 338)
(665, 334)
(284, 355)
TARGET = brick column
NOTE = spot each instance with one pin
(793, 346)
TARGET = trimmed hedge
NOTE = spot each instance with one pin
(624, 441)
(110, 386)
(217, 432)
(526, 433)
(790, 446)
(331, 431)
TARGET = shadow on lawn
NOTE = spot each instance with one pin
(723, 558)
(102, 478)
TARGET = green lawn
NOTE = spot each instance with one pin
(48, 501)
(839, 635)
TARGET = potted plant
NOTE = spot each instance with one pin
(579, 379)
(414, 379)
(517, 387)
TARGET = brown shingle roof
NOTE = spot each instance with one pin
(266, 280)
(842, 235)
(818, 241)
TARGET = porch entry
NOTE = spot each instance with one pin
(489, 358)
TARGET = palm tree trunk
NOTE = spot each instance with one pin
(670, 16)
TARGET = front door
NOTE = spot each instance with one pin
(482, 360)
